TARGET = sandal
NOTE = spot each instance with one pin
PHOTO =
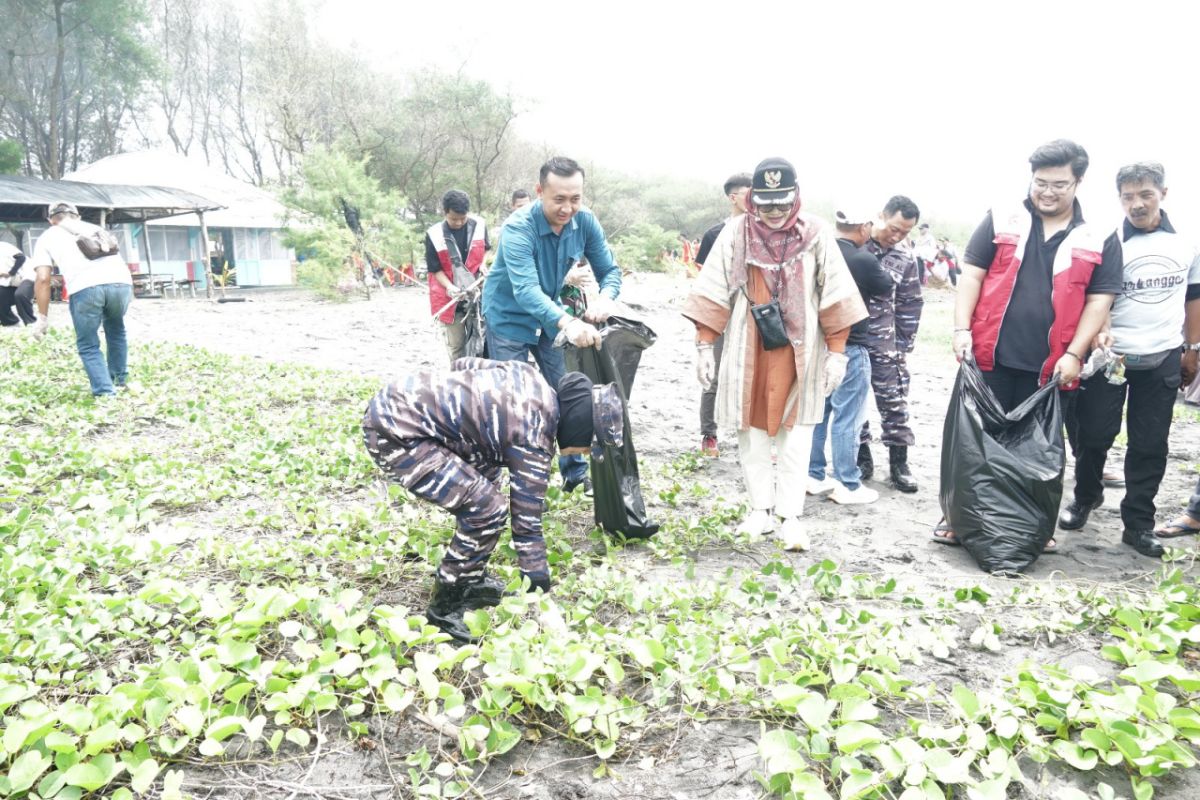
(944, 534)
(1051, 547)
(1176, 528)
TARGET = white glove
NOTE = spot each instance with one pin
(706, 365)
(835, 370)
(961, 344)
(599, 308)
(39, 327)
(581, 276)
(580, 334)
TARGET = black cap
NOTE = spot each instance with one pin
(774, 182)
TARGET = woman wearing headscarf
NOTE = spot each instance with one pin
(776, 285)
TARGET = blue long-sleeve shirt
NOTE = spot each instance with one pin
(520, 297)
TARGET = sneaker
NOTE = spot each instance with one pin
(821, 485)
(794, 534)
(1111, 479)
(758, 522)
(708, 447)
(853, 497)
(570, 486)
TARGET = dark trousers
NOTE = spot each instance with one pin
(25, 302)
(471, 492)
(1150, 394)
(8, 295)
(1011, 386)
(890, 380)
(21, 297)
(708, 397)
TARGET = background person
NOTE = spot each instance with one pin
(12, 260)
(100, 293)
(454, 252)
(737, 189)
(892, 335)
(846, 406)
(1159, 300)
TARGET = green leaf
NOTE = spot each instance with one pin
(780, 751)
(1142, 790)
(171, 785)
(86, 776)
(994, 789)
(298, 737)
(223, 728)
(141, 777)
(1148, 672)
(1075, 755)
(854, 735)
(1007, 727)
(966, 701)
(26, 769)
(647, 652)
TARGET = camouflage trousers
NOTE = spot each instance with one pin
(471, 492)
(890, 379)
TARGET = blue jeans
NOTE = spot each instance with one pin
(847, 405)
(553, 366)
(91, 308)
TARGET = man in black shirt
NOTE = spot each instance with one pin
(848, 403)
(736, 190)
(1036, 285)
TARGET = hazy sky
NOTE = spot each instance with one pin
(941, 101)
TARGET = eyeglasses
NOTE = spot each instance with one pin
(767, 208)
(1058, 187)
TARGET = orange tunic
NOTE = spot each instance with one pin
(774, 370)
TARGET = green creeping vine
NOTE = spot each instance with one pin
(210, 568)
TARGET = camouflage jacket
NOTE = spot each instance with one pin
(894, 317)
(491, 414)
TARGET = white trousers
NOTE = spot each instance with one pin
(781, 485)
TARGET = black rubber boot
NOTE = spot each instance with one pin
(484, 593)
(446, 609)
(902, 479)
(866, 464)
(539, 583)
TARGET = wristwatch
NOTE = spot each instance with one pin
(1194, 347)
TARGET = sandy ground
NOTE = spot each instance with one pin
(392, 333)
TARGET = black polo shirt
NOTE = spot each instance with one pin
(706, 242)
(1024, 341)
(870, 277)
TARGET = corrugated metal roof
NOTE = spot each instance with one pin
(26, 200)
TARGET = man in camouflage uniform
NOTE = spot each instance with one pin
(446, 438)
(894, 318)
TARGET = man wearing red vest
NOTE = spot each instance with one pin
(1036, 286)
(454, 251)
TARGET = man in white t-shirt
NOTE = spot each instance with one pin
(1158, 306)
(99, 292)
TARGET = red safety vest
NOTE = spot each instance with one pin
(1074, 263)
(472, 260)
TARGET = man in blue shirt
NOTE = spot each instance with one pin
(543, 244)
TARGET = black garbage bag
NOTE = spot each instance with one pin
(616, 485)
(475, 326)
(1002, 474)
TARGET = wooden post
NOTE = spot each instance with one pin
(208, 276)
